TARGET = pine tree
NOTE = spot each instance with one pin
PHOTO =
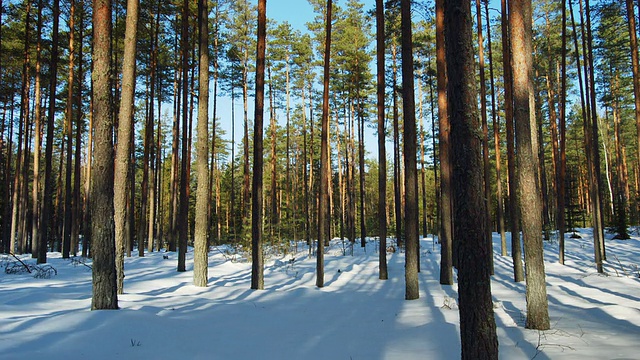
(201, 235)
(102, 231)
(410, 156)
(477, 324)
(257, 271)
(520, 22)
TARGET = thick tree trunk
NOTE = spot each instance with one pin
(123, 151)
(520, 23)
(410, 162)
(104, 271)
(477, 324)
(201, 245)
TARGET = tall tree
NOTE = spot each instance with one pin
(69, 119)
(635, 66)
(123, 151)
(516, 248)
(102, 214)
(201, 234)
(485, 130)
(324, 220)
(520, 23)
(446, 210)
(37, 144)
(410, 158)
(257, 271)
(477, 323)
(382, 138)
(562, 168)
(183, 210)
(496, 141)
(47, 208)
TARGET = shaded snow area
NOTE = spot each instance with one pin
(355, 316)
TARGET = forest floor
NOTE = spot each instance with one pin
(355, 316)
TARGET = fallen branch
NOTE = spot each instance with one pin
(20, 261)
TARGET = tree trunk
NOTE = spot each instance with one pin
(562, 164)
(47, 208)
(477, 324)
(36, 199)
(70, 116)
(324, 221)
(257, 265)
(520, 23)
(496, 143)
(485, 133)
(633, 43)
(382, 138)
(410, 162)
(183, 219)
(201, 247)
(516, 248)
(123, 151)
(446, 210)
(102, 230)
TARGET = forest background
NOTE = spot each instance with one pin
(47, 113)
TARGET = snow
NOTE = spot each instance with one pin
(355, 316)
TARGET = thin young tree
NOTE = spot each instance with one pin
(382, 138)
(496, 141)
(485, 129)
(562, 168)
(324, 221)
(102, 228)
(183, 209)
(36, 201)
(257, 266)
(47, 208)
(69, 119)
(201, 233)
(123, 150)
(410, 157)
(520, 25)
(477, 323)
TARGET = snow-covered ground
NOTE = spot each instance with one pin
(355, 316)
